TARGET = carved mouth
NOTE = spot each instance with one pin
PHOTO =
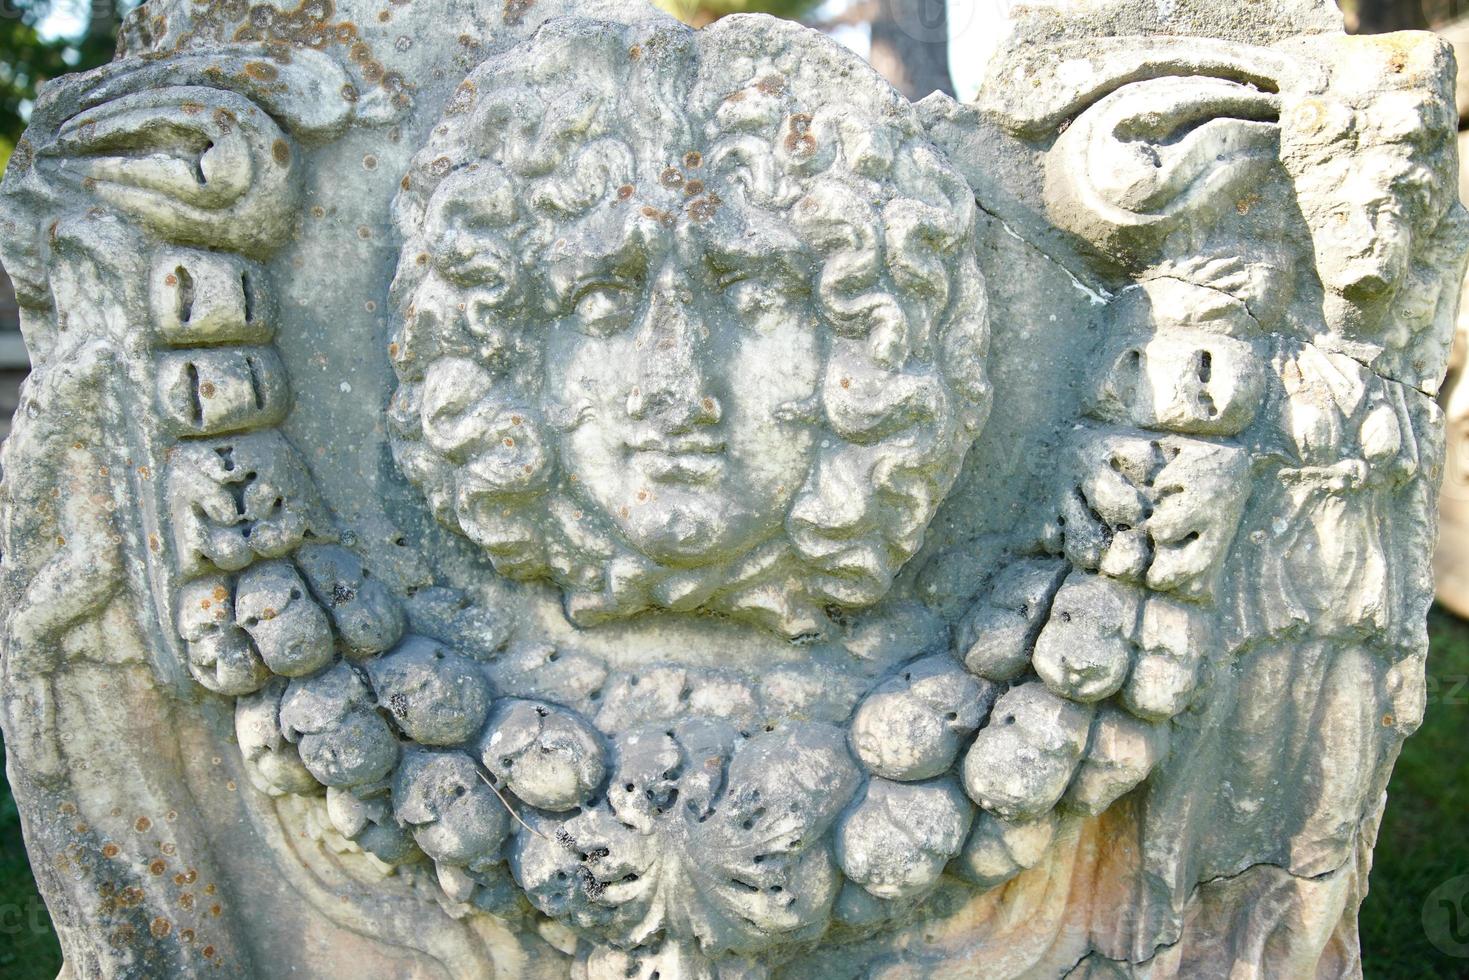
(683, 459)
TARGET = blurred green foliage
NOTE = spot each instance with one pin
(28, 947)
(27, 59)
(701, 12)
(1422, 842)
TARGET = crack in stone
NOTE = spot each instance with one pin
(1164, 947)
(1098, 295)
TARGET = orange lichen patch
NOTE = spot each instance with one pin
(694, 188)
(1244, 204)
(186, 900)
(624, 192)
(110, 851)
(309, 24)
(142, 824)
(280, 152)
(215, 909)
(208, 952)
(635, 52)
(671, 177)
(798, 134)
(704, 208)
(369, 162)
(771, 85)
(157, 867)
(693, 159)
(515, 10)
(160, 927)
(206, 389)
(170, 280)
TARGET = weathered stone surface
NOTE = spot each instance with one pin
(538, 491)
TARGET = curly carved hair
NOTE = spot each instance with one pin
(751, 130)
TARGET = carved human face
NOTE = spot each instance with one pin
(686, 342)
(683, 379)
(1370, 175)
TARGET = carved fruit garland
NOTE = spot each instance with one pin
(703, 834)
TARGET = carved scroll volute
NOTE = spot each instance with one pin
(193, 165)
(197, 149)
(1155, 154)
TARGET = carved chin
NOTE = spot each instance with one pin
(681, 533)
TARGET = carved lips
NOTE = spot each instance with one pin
(694, 459)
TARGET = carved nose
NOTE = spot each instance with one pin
(1367, 286)
(670, 387)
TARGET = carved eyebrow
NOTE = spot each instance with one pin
(729, 269)
(780, 255)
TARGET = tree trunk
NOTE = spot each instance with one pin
(910, 46)
(1379, 16)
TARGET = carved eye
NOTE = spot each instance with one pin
(761, 304)
(605, 309)
(1415, 191)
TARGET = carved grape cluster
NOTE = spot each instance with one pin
(417, 756)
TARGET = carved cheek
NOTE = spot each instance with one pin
(765, 372)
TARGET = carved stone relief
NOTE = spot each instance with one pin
(586, 497)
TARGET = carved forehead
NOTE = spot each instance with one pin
(667, 92)
(629, 241)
